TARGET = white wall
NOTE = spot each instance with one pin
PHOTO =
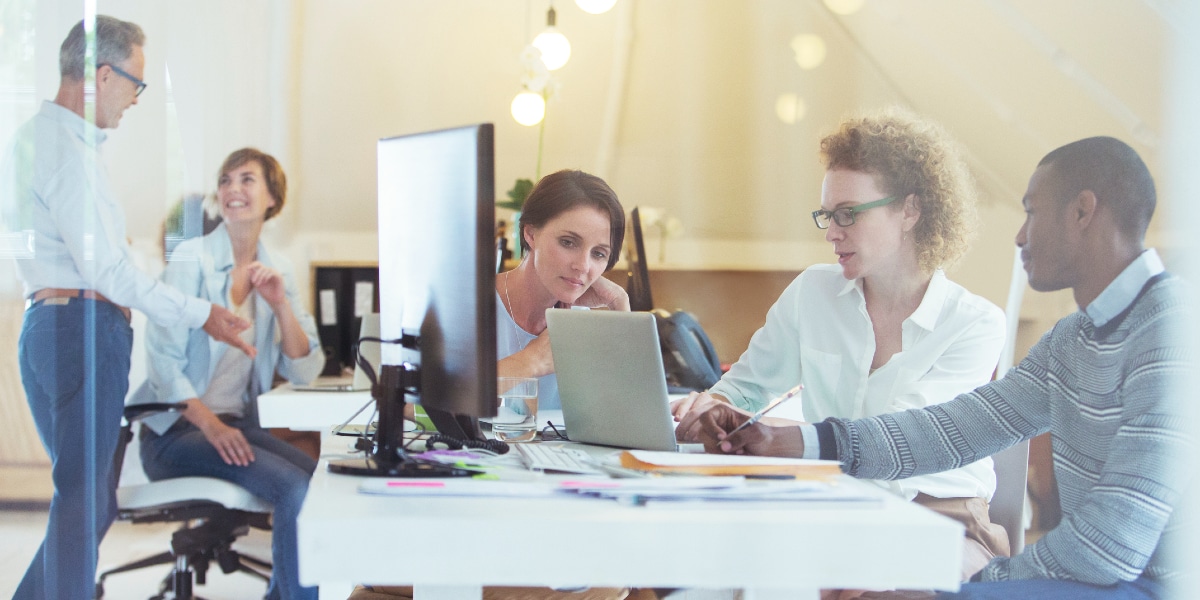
(692, 124)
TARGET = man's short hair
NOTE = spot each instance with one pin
(115, 40)
(1114, 172)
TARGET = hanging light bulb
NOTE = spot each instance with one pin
(790, 108)
(556, 50)
(528, 108)
(595, 7)
(844, 7)
(809, 49)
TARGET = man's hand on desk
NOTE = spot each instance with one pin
(696, 402)
(768, 437)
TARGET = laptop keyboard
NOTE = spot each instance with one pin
(545, 457)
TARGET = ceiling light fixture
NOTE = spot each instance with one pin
(790, 108)
(556, 50)
(595, 7)
(809, 50)
(844, 7)
(528, 108)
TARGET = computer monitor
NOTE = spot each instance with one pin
(638, 283)
(437, 263)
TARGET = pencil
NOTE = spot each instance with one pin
(766, 409)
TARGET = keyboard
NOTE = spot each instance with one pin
(544, 457)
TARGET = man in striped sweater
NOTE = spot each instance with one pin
(1105, 382)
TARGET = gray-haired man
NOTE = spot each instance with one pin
(80, 282)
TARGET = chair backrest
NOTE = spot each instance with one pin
(1007, 508)
(689, 358)
(1012, 314)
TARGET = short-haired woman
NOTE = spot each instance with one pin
(219, 435)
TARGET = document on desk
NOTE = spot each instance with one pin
(455, 487)
(725, 491)
(784, 493)
(595, 486)
(728, 464)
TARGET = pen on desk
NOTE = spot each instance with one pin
(766, 409)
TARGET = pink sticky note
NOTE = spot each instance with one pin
(416, 484)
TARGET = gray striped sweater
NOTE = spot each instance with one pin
(1108, 397)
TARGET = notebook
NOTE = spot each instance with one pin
(611, 379)
(369, 350)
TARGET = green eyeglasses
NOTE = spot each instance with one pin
(141, 85)
(844, 216)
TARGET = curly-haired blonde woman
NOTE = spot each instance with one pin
(883, 330)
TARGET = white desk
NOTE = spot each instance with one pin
(286, 407)
(450, 547)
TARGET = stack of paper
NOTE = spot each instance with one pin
(716, 489)
(723, 491)
(727, 464)
(454, 487)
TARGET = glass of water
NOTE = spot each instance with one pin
(516, 416)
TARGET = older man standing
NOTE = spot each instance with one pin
(81, 282)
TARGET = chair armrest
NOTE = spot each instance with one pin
(137, 412)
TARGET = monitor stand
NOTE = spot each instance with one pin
(389, 458)
(406, 467)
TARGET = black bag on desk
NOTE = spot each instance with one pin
(689, 358)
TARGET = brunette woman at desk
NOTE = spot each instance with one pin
(883, 330)
(219, 435)
(571, 228)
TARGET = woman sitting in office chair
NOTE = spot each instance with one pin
(219, 435)
(883, 330)
(571, 230)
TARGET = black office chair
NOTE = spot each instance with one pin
(213, 514)
(689, 357)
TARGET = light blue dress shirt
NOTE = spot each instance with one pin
(182, 362)
(66, 225)
(1124, 289)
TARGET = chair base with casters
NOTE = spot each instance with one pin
(214, 513)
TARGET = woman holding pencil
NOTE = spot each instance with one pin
(883, 330)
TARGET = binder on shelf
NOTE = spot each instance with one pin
(343, 293)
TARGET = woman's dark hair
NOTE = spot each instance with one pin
(566, 190)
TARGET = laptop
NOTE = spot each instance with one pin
(369, 350)
(611, 379)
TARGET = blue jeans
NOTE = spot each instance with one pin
(1051, 589)
(279, 475)
(75, 368)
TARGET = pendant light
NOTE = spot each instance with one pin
(556, 50)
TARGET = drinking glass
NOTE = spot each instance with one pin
(516, 416)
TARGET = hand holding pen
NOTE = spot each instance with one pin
(754, 418)
(769, 441)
